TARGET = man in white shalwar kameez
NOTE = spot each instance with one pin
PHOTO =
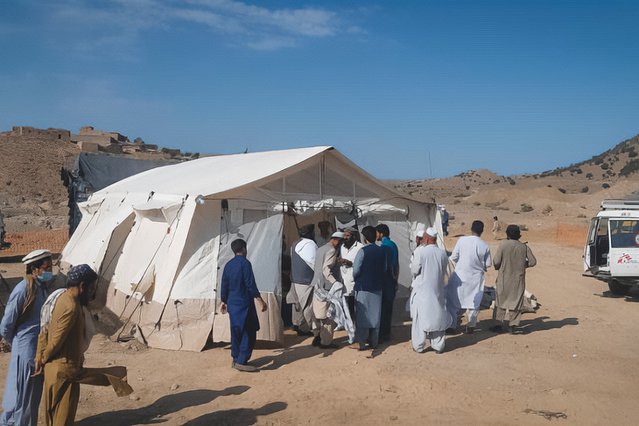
(466, 285)
(427, 299)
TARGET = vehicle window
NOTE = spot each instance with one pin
(624, 233)
(603, 227)
(592, 233)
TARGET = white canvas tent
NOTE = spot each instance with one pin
(160, 239)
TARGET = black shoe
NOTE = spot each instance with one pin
(316, 341)
(470, 330)
(450, 331)
(331, 346)
(499, 329)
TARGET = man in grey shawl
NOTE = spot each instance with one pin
(302, 271)
(511, 260)
(427, 299)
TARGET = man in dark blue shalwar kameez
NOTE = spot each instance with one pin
(237, 293)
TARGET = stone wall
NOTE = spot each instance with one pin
(61, 135)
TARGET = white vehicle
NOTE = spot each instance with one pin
(612, 249)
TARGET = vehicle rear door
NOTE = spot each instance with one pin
(590, 251)
(624, 247)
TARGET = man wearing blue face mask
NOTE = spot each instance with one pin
(20, 326)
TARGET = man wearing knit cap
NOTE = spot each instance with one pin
(20, 326)
(66, 332)
(427, 299)
(511, 260)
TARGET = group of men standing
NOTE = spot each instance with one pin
(344, 282)
(351, 284)
(437, 308)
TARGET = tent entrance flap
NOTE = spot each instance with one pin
(263, 236)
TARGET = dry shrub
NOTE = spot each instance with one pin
(525, 208)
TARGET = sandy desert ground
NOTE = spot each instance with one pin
(573, 364)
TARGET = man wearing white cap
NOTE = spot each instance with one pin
(427, 299)
(20, 326)
(326, 275)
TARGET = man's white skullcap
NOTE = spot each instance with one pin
(337, 234)
(432, 232)
(36, 255)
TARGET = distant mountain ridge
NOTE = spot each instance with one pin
(600, 172)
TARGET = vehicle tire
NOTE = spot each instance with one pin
(617, 288)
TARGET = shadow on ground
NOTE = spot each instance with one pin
(237, 416)
(290, 354)
(482, 332)
(167, 404)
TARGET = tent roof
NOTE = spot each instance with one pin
(209, 176)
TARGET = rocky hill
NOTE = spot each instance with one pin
(32, 194)
(570, 194)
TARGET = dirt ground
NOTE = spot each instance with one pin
(573, 364)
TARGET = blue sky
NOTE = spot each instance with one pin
(514, 86)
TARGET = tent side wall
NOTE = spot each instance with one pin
(177, 308)
(100, 217)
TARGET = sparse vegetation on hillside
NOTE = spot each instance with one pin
(628, 169)
(525, 208)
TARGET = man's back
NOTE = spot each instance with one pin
(433, 263)
(511, 257)
(66, 331)
(238, 283)
(325, 253)
(471, 255)
(369, 276)
(303, 254)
